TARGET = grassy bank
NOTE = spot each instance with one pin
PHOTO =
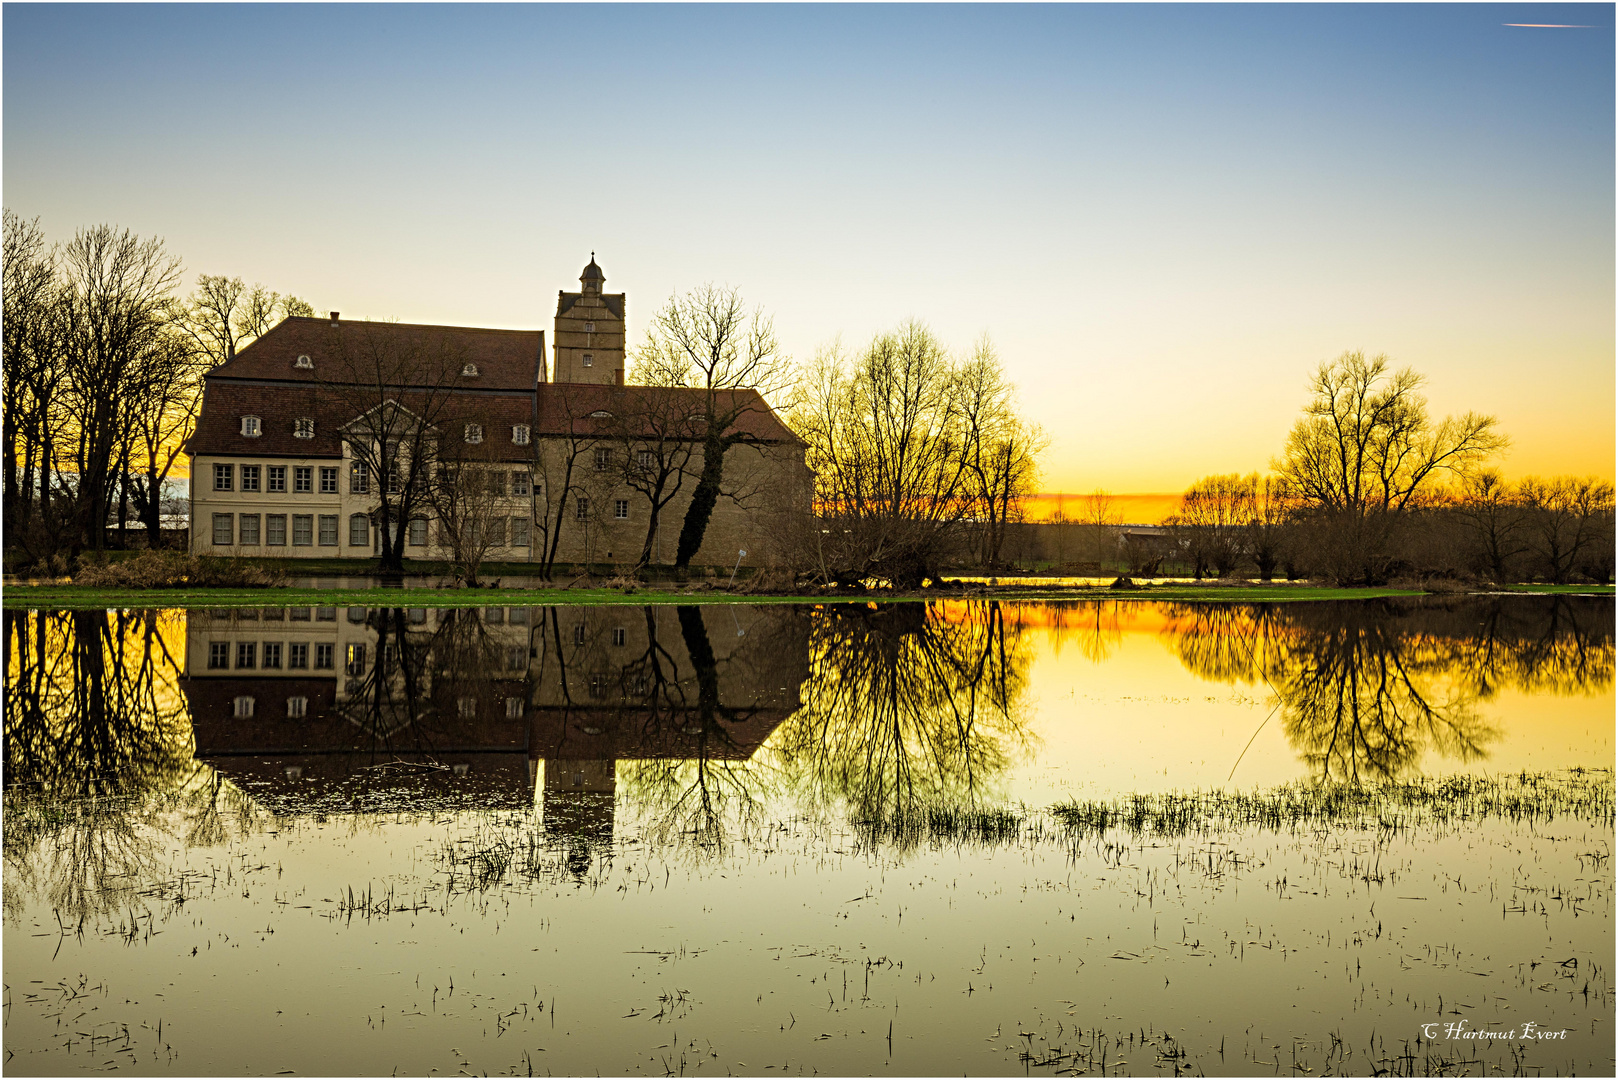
(78, 597)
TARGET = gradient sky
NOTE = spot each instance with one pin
(1164, 216)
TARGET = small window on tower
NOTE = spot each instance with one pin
(588, 360)
(589, 328)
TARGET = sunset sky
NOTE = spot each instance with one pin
(1163, 216)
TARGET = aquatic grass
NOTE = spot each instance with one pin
(1579, 794)
(942, 823)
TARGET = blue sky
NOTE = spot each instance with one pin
(1164, 216)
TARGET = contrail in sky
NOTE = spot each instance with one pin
(1550, 25)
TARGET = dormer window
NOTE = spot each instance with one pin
(470, 371)
(303, 427)
(474, 433)
(303, 362)
(250, 426)
(601, 414)
(519, 434)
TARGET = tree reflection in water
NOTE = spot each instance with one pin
(1368, 689)
(908, 708)
(98, 752)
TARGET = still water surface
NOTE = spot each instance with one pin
(761, 839)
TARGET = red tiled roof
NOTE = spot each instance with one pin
(506, 359)
(219, 428)
(566, 408)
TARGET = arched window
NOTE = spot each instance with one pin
(470, 371)
(303, 362)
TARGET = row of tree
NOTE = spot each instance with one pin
(103, 365)
(1369, 487)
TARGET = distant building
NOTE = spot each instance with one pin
(273, 471)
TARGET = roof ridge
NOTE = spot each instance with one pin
(411, 326)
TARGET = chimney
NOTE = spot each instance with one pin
(334, 319)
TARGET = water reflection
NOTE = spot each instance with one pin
(690, 720)
(1368, 690)
(908, 707)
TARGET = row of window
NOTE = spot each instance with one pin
(581, 508)
(304, 428)
(242, 530)
(245, 705)
(517, 616)
(273, 478)
(645, 460)
(296, 654)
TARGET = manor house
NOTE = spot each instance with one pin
(575, 465)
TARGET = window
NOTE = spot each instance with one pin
(518, 616)
(497, 484)
(272, 654)
(581, 509)
(494, 616)
(603, 458)
(578, 633)
(359, 478)
(589, 328)
(601, 414)
(303, 478)
(277, 478)
(470, 371)
(519, 434)
(620, 509)
(467, 707)
(222, 477)
(275, 614)
(513, 708)
(250, 477)
(418, 532)
(250, 426)
(297, 707)
(246, 654)
(356, 660)
(328, 530)
(497, 532)
(328, 480)
(243, 708)
(323, 654)
(356, 615)
(300, 614)
(517, 658)
(303, 427)
(589, 361)
(298, 654)
(275, 530)
(474, 433)
(600, 683)
(302, 530)
(250, 529)
(218, 654)
(303, 362)
(359, 531)
(519, 532)
(520, 483)
(646, 460)
(223, 529)
(618, 635)
(325, 614)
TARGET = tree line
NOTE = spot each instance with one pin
(1370, 488)
(102, 378)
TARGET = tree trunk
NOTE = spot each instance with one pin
(703, 500)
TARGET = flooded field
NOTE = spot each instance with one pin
(1078, 838)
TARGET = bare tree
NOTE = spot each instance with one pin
(469, 497)
(708, 340)
(118, 288)
(398, 384)
(1002, 449)
(888, 439)
(655, 440)
(1213, 521)
(1567, 517)
(1365, 451)
(32, 373)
